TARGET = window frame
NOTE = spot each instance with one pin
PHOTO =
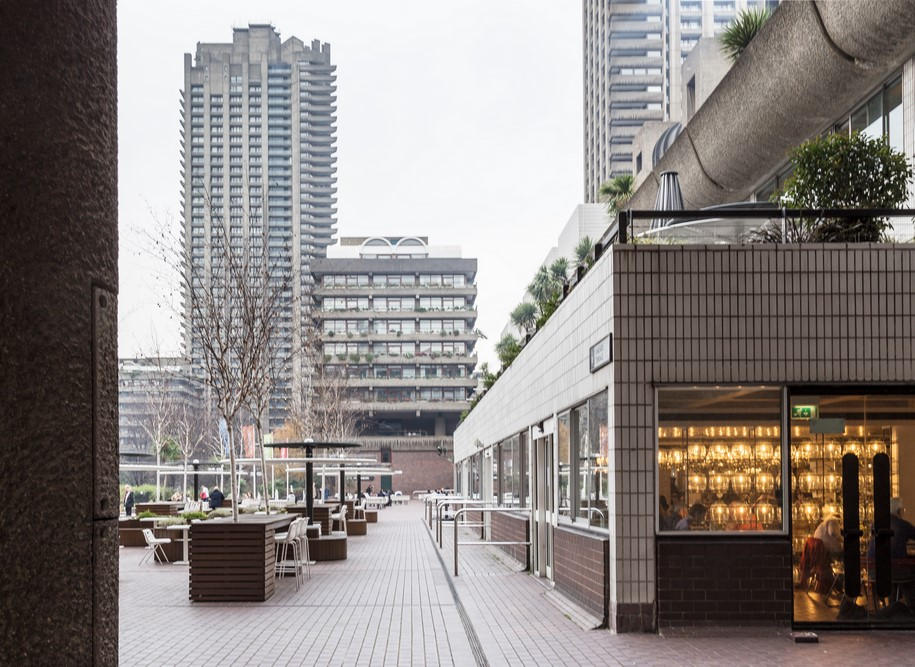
(576, 472)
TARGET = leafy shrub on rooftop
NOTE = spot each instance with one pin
(190, 516)
(840, 172)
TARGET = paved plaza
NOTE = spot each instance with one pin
(392, 602)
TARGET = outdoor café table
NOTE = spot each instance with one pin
(184, 528)
(376, 501)
(235, 561)
(320, 514)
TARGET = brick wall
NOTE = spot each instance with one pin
(422, 469)
(742, 581)
(512, 528)
(580, 568)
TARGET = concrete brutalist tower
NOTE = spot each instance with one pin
(632, 57)
(258, 146)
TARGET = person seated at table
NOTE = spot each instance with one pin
(694, 515)
(830, 533)
(216, 498)
(903, 531)
(667, 519)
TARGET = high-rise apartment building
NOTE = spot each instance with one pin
(258, 150)
(633, 51)
(397, 318)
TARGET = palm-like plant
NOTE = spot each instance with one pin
(741, 31)
(507, 349)
(617, 192)
(542, 287)
(559, 271)
(583, 249)
(524, 316)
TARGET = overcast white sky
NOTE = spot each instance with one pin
(458, 120)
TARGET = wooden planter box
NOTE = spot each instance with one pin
(327, 547)
(371, 516)
(130, 533)
(356, 527)
(235, 561)
(161, 508)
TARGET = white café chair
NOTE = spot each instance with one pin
(154, 544)
(303, 547)
(338, 519)
(285, 540)
(359, 510)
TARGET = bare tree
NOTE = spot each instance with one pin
(159, 408)
(262, 317)
(191, 429)
(322, 406)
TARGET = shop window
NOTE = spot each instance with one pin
(511, 493)
(598, 482)
(580, 451)
(583, 440)
(494, 465)
(565, 465)
(893, 111)
(475, 476)
(719, 459)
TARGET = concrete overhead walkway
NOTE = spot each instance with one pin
(391, 603)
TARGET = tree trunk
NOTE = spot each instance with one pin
(233, 477)
(184, 490)
(158, 463)
(260, 437)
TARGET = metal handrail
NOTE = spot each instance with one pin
(451, 501)
(526, 510)
(431, 498)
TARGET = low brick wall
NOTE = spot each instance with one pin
(476, 518)
(580, 565)
(512, 528)
(732, 581)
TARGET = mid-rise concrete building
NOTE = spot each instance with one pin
(633, 51)
(151, 389)
(397, 317)
(258, 149)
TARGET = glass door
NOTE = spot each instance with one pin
(852, 502)
(542, 513)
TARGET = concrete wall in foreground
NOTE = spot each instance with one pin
(58, 333)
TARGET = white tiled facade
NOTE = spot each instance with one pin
(552, 371)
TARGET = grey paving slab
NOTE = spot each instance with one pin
(390, 603)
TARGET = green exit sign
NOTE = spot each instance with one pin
(803, 412)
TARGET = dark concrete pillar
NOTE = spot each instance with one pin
(58, 332)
